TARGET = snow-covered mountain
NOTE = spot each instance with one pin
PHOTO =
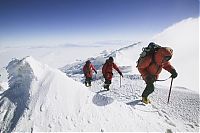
(44, 99)
(41, 98)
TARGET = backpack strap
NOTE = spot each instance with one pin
(88, 69)
(153, 58)
(154, 62)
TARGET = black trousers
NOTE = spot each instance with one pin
(107, 83)
(88, 80)
(148, 90)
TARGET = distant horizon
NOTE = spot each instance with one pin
(93, 43)
(59, 22)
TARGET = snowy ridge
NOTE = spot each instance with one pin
(18, 95)
(44, 99)
(29, 84)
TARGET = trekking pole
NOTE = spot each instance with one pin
(95, 76)
(120, 81)
(170, 91)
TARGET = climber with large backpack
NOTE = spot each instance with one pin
(107, 71)
(88, 69)
(150, 63)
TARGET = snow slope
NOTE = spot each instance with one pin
(184, 103)
(183, 37)
(44, 99)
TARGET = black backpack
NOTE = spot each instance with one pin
(150, 49)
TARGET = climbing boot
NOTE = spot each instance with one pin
(145, 100)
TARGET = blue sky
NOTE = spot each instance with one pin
(49, 22)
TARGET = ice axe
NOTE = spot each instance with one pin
(170, 90)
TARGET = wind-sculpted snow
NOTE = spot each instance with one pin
(20, 78)
(182, 113)
(42, 99)
(184, 104)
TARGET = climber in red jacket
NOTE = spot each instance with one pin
(88, 69)
(107, 71)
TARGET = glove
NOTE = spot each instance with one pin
(174, 73)
(150, 79)
(121, 74)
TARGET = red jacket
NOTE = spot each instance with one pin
(152, 65)
(87, 70)
(107, 69)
